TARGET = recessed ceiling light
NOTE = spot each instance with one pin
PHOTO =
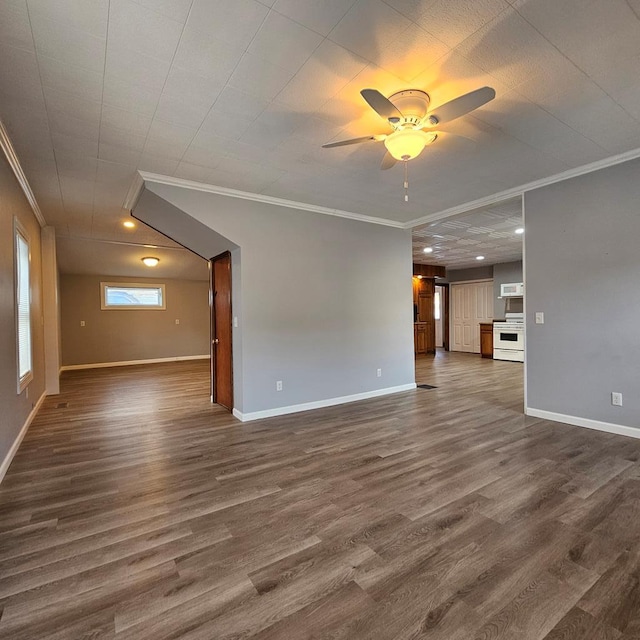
(519, 230)
(150, 261)
(130, 224)
(479, 257)
(428, 250)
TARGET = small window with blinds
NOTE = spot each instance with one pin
(23, 307)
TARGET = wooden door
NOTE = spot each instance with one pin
(426, 295)
(221, 332)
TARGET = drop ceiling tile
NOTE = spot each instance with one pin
(207, 149)
(242, 19)
(188, 171)
(204, 55)
(76, 166)
(186, 85)
(74, 144)
(19, 76)
(143, 30)
(85, 15)
(232, 113)
(72, 106)
(410, 54)
(136, 68)
(452, 21)
(174, 9)
(510, 49)
(368, 27)
(328, 70)
(128, 122)
(126, 95)
(284, 42)
(319, 15)
(15, 28)
(61, 122)
(259, 77)
(182, 111)
(168, 140)
(71, 79)
(112, 135)
(156, 164)
(118, 153)
(71, 46)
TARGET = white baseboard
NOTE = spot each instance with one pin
(618, 429)
(23, 432)
(319, 404)
(127, 363)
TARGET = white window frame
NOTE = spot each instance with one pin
(20, 233)
(129, 285)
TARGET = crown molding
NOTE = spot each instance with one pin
(16, 167)
(257, 197)
(522, 189)
(134, 193)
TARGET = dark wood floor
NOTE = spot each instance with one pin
(135, 510)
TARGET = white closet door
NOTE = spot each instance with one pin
(471, 304)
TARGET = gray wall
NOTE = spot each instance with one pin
(14, 408)
(118, 335)
(474, 273)
(504, 273)
(582, 269)
(322, 302)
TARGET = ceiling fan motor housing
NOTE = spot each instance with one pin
(413, 104)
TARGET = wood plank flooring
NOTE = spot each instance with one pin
(136, 510)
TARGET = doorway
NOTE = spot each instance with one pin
(221, 331)
(441, 315)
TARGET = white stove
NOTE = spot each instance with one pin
(508, 338)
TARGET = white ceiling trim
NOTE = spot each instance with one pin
(14, 163)
(142, 176)
(530, 186)
(136, 190)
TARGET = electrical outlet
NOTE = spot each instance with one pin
(379, 373)
(82, 323)
(616, 399)
(235, 321)
(279, 385)
(177, 321)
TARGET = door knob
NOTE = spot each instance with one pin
(215, 341)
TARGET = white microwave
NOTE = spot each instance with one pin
(512, 289)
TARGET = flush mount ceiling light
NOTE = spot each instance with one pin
(479, 257)
(130, 224)
(519, 231)
(428, 250)
(149, 261)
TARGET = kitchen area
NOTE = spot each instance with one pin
(504, 339)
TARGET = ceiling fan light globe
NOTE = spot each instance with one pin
(408, 143)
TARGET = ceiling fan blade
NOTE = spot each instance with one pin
(388, 161)
(381, 105)
(344, 143)
(462, 105)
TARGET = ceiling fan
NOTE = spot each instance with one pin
(413, 124)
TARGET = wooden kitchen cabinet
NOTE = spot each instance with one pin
(486, 339)
(420, 337)
(423, 299)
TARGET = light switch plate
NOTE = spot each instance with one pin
(539, 317)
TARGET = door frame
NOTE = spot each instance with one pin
(444, 310)
(212, 325)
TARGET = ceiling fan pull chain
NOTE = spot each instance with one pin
(406, 181)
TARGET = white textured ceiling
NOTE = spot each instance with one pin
(242, 93)
(458, 240)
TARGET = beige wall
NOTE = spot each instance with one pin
(14, 408)
(121, 335)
